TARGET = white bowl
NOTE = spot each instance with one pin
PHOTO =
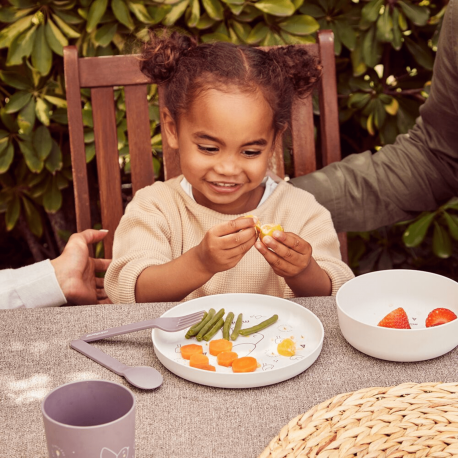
(365, 300)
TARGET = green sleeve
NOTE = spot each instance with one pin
(417, 173)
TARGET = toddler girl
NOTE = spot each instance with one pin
(225, 106)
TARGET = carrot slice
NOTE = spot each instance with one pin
(191, 349)
(198, 360)
(226, 358)
(207, 367)
(245, 364)
(219, 345)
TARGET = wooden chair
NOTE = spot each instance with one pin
(103, 74)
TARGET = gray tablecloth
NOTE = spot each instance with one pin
(180, 419)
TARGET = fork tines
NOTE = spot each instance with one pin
(188, 320)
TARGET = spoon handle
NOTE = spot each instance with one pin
(99, 356)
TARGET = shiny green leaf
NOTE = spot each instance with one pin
(10, 15)
(214, 8)
(16, 80)
(17, 101)
(346, 34)
(358, 100)
(90, 152)
(54, 160)
(26, 117)
(34, 163)
(402, 21)
(397, 34)
(195, 13)
(379, 113)
(41, 54)
(8, 34)
(419, 15)
(452, 223)
(205, 22)
(55, 38)
(6, 156)
(69, 31)
(42, 111)
(8, 121)
(105, 34)
(372, 48)
(32, 217)
(272, 39)
(52, 198)
(60, 103)
(312, 10)
(42, 142)
(416, 232)
(296, 39)
(96, 11)
(141, 13)
(234, 2)
(451, 204)
(299, 25)
(175, 13)
(121, 11)
(212, 37)
(420, 52)
(442, 244)
(249, 14)
(70, 17)
(280, 8)
(12, 212)
(357, 60)
(236, 9)
(21, 47)
(158, 12)
(371, 10)
(385, 27)
(242, 30)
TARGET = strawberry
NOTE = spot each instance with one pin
(439, 316)
(396, 319)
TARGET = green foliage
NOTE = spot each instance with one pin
(384, 52)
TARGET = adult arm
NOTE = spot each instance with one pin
(417, 173)
(70, 278)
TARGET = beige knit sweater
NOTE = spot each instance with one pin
(162, 222)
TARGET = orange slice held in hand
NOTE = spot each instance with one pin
(265, 229)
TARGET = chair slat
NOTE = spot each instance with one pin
(111, 71)
(141, 162)
(171, 156)
(304, 157)
(329, 115)
(103, 112)
(76, 132)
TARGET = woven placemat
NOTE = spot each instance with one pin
(408, 420)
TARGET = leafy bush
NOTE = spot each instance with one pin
(384, 50)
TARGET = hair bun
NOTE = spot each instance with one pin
(303, 69)
(162, 52)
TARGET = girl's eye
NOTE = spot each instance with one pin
(208, 149)
(251, 153)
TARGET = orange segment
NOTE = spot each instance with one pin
(258, 225)
(268, 229)
(286, 348)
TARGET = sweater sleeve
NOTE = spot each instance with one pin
(417, 173)
(142, 239)
(320, 233)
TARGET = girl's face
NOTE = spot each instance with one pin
(225, 142)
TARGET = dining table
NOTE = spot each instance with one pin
(180, 419)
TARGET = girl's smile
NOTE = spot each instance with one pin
(225, 142)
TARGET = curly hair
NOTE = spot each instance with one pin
(188, 69)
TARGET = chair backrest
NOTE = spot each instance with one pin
(103, 74)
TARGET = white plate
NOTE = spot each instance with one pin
(293, 321)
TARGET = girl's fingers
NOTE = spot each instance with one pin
(233, 226)
(292, 241)
(285, 252)
(239, 250)
(280, 266)
(99, 282)
(234, 240)
(101, 265)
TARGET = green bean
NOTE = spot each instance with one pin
(195, 328)
(210, 334)
(237, 327)
(227, 325)
(209, 325)
(259, 327)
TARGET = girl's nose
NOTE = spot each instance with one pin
(227, 166)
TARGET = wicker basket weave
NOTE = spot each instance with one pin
(408, 420)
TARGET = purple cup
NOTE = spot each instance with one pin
(90, 419)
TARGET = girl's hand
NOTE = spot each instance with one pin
(291, 254)
(225, 244)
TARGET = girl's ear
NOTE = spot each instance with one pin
(170, 128)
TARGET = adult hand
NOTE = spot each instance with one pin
(291, 254)
(225, 244)
(75, 270)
